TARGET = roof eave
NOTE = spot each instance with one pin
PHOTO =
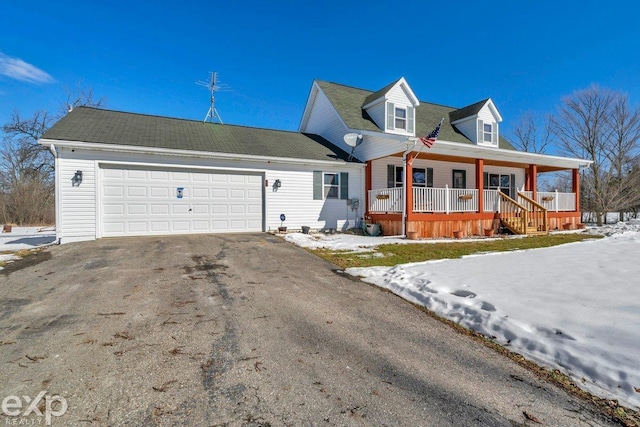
(184, 153)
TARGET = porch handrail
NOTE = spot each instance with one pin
(513, 214)
(537, 214)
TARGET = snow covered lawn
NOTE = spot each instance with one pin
(21, 238)
(574, 307)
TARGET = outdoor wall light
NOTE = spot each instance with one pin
(277, 184)
(77, 179)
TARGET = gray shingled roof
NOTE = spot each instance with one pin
(469, 110)
(94, 125)
(348, 101)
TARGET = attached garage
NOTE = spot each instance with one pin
(136, 201)
(123, 174)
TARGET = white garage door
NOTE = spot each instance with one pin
(138, 202)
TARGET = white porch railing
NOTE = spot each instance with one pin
(491, 201)
(554, 201)
(386, 200)
(446, 200)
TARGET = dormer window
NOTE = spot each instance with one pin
(487, 133)
(399, 118)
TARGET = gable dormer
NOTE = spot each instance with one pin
(479, 122)
(392, 108)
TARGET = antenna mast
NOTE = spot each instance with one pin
(212, 86)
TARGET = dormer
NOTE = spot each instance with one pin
(478, 122)
(392, 108)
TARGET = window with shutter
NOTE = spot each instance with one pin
(391, 115)
(480, 131)
(410, 118)
(494, 136)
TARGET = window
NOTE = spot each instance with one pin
(459, 178)
(421, 177)
(331, 189)
(503, 182)
(401, 118)
(330, 185)
(487, 132)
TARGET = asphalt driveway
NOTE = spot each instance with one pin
(243, 330)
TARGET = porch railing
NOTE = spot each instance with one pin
(447, 200)
(386, 200)
(536, 214)
(554, 201)
(444, 199)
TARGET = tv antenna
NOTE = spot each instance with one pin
(212, 85)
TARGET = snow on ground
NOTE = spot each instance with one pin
(24, 238)
(574, 307)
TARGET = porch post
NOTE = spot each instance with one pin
(408, 181)
(533, 181)
(575, 186)
(367, 186)
(480, 183)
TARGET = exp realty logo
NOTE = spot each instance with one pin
(19, 409)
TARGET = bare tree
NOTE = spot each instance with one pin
(597, 124)
(27, 168)
(529, 136)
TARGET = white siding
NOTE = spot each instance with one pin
(79, 214)
(325, 121)
(77, 204)
(377, 114)
(295, 199)
(469, 128)
(375, 147)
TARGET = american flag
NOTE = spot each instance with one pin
(430, 139)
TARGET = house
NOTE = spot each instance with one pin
(356, 156)
(470, 180)
(124, 174)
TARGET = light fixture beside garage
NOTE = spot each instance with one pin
(276, 185)
(77, 179)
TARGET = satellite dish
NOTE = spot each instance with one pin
(352, 139)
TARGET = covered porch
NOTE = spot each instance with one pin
(511, 199)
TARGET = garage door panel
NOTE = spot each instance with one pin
(157, 209)
(136, 174)
(136, 201)
(138, 227)
(159, 192)
(137, 209)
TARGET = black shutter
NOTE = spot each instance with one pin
(391, 176)
(344, 185)
(429, 177)
(317, 185)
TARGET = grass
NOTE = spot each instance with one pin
(389, 255)
(394, 254)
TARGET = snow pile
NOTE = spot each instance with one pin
(574, 307)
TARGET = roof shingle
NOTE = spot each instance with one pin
(85, 124)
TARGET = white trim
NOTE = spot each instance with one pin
(500, 154)
(189, 153)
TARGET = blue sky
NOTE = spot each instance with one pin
(146, 56)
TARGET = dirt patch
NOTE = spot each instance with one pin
(35, 258)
